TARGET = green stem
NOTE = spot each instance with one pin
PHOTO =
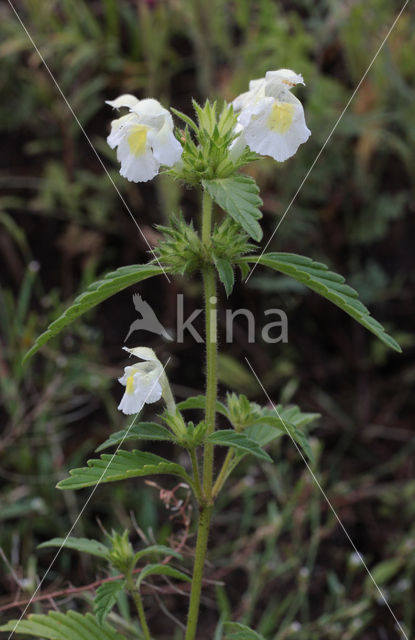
(220, 480)
(209, 287)
(135, 594)
(200, 556)
(206, 505)
(195, 467)
(206, 219)
(209, 281)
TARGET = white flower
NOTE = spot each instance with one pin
(144, 138)
(271, 119)
(143, 381)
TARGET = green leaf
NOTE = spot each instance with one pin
(237, 631)
(226, 274)
(96, 292)
(122, 465)
(63, 626)
(161, 570)
(240, 442)
(106, 597)
(84, 545)
(227, 120)
(206, 115)
(283, 421)
(328, 284)
(199, 402)
(141, 431)
(157, 549)
(284, 427)
(244, 269)
(238, 196)
(191, 123)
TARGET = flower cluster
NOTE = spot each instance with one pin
(270, 122)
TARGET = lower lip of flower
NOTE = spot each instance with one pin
(130, 384)
(137, 139)
(281, 117)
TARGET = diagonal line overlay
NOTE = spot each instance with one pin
(327, 139)
(85, 134)
(84, 507)
(329, 504)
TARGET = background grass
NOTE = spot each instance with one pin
(282, 562)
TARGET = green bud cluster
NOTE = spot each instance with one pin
(175, 423)
(182, 250)
(195, 435)
(242, 412)
(187, 434)
(207, 155)
(230, 242)
(121, 554)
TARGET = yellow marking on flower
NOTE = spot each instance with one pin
(137, 139)
(281, 117)
(130, 385)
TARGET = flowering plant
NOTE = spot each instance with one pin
(208, 154)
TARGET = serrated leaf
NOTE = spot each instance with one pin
(141, 431)
(238, 196)
(63, 626)
(161, 570)
(122, 465)
(263, 432)
(237, 631)
(156, 549)
(226, 274)
(105, 598)
(328, 284)
(288, 420)
(96, 292)
(284, 427)
(84, 545)
(240, 442)
(199, 402)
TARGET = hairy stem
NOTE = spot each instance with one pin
(223, 474)
(135, 594)
(200, 556)
(206, 219)
(209, 280)
(206, 505)
(195, 467)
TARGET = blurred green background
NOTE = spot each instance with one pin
(287, 567)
